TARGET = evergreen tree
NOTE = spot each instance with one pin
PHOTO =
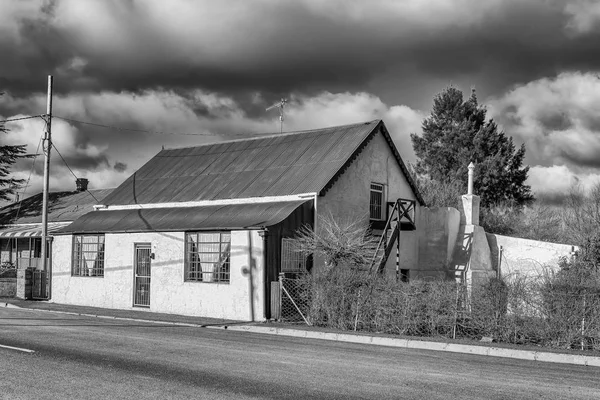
(9, 154)
(457, 133)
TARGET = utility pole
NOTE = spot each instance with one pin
(47, 145)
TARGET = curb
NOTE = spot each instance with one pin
(8, 305)
(530, 355)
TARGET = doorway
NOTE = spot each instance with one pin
(142, 269)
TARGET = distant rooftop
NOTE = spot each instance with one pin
(62, 207)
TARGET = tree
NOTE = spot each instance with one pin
(457, 133)
(9, 154)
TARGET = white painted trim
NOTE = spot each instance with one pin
(33, 224)
(201, 203)
(17, 348)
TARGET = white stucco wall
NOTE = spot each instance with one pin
(526, 257)
(169, 293)
(349, 196)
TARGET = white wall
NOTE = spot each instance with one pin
(349, 196)
(169, 293)
(526, 257)
(438, 229)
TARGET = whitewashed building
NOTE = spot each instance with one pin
(202, 230)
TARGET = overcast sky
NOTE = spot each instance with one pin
(212, 67)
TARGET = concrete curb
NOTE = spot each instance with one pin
(8, 305)
(531, 355)
(542, 356)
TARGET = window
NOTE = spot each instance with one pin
(376, 202)
(291, 259)
(88, 255)
(207, 256)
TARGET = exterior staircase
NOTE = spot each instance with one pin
(400, 217)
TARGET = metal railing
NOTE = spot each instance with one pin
(403, 211)
(33, 262)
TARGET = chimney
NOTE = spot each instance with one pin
(82, 184)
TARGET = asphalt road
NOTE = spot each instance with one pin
(90, 358)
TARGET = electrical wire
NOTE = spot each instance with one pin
(20, 119)
(118, 128)
(73, 173)
(150, 131)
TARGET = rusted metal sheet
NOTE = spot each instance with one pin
(213, 217)
(279, 165)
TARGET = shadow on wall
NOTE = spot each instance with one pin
(494, 250)
(462, 254)
(249, 271)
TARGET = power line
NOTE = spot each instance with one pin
(73, 173)
(118, 128)
(20, 119)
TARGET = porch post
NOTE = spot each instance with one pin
(266, 284)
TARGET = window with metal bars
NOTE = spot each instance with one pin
(207, 256)
(376, 202)
(291, 259)
(88, 255)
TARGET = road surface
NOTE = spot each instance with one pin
(90, 358)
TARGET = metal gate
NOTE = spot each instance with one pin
(294, 300)
(39, 285)
(142, 269)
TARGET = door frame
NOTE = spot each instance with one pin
(136, 246)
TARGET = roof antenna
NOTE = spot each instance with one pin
(279, 105)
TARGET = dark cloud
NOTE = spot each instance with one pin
(213, 67)
(120, 167)
(289, 47)
(555, 120)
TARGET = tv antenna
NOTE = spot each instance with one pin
(280, 105)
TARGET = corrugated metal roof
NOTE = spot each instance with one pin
(213, 217)
(62, 206)
(299, 162)
(30, 230)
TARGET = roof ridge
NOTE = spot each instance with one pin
(272, 135)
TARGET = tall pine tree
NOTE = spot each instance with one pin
(457, 133)
(9, 154)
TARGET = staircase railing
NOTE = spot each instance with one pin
(402, 211)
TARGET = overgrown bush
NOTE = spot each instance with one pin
(557, 309)
(571, 299)
(8, 270)
(561, 310)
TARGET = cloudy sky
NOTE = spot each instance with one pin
(210, 68)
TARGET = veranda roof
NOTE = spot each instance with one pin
(210, 217)
(29, 230)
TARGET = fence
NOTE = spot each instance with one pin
(521, 310)
(294, 300)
